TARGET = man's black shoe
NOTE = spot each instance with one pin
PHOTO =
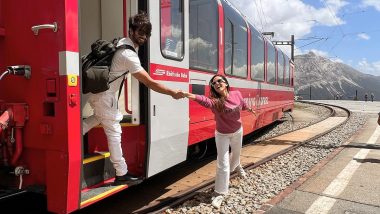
(126, 179)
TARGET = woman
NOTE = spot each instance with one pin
(226, 106)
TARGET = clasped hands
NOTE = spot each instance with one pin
(179, 94)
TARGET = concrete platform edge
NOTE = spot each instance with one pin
(287, 191)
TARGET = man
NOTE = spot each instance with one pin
(104, 104)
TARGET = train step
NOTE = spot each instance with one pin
(97, 168)
(98, 180)
(100, 191)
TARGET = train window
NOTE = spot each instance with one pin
(271, 64)
(203, 44)
(228, 26)
(257, 55)
(240, 44)
(280, 67)
(235, 41)
(172, 29)
(287, 73)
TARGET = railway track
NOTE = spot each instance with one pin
(178, 185)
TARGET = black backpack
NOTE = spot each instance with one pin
(97, 64)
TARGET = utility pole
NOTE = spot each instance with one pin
(310, 92)
(356, 94)
(291, 43)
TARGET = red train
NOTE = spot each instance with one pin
(41, 104)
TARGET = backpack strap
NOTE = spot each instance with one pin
(128, 47)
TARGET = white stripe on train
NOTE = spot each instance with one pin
(200, 78)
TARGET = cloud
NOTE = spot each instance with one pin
(372, 3)
(363, 36)
(294, 16)
(290, 17)
(368, 67)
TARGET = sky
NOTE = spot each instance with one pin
(346, 31)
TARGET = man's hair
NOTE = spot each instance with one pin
(141, 23)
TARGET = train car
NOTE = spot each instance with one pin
(42, 105)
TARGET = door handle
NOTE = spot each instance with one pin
(53, 26)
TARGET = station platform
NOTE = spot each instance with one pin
(347, 183)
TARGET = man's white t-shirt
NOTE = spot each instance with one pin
(124, 60)
(105, 103)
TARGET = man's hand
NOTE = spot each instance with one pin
(144, 77)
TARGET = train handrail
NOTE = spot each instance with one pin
(53, 26)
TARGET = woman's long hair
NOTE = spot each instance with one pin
(215, 96)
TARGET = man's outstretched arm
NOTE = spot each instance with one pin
(144, 77)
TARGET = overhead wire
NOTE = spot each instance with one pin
(333, 16)
(262, 10)
(334, 29)
(312, 42)
(259, 16)
(311, 37)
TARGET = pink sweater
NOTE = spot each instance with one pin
(229, 120)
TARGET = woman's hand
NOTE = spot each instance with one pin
(188, 95)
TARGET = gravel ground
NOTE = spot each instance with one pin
(269, 179)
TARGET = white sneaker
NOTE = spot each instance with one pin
(217, 201)
(240, 171)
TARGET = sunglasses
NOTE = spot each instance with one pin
(219, 81)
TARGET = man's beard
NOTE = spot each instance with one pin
(138, 41)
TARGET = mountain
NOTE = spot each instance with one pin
(328, 79)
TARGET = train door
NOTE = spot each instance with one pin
(102, 19)
(108, 19)
(168, 118)
(43, 35)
